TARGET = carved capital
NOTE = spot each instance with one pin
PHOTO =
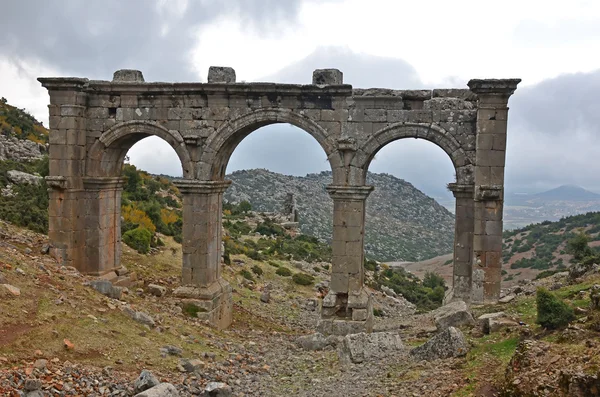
(461, 190)
(56, 182)
(195, 186)
(349, 193)
(488, 193)
(347, 144)
(496, 87)
(103, 183)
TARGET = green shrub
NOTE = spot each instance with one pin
(552, 313)
(273, 263)
(303, 279)
(283, 271)
(191, 310)
(325, 267)
(138, 239)
(370, 265)
(246, 274)
(257, 270)
(377, 312)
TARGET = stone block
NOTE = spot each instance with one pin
(359, 314)
(221, 74)
(128, 75)
(327, 77)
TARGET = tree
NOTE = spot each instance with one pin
(433, 280)
(552, 313)
(245, 206)
(578, 246)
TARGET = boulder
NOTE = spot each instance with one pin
(106, 288)
(156, 290)
(454, 314)
(10, 290)
(160, 390)
(140, 317)
(316, 341)
(265, 297)
(217, 389)
(508, 298)
(498, 324)
(23, 178)
(361, 347)
(448, 343)
(145, 381)
(484, 320)
(192, 365)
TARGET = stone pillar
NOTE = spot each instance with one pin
(101, 214)
(67, 151)
(347, 308)
(492, 114)
(463, 242)
(202, 284)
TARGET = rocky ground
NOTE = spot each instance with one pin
(59, 336)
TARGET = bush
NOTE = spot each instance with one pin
(283, 271)
(370, 265)
(246, 274)
(138, 239)
(377, 312)
(552, 313)
(257, 270)
(303, 279)
(273, 263)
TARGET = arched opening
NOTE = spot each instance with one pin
(410, 221)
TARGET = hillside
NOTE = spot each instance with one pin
(403, 224)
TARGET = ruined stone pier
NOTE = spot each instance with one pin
(94, 123)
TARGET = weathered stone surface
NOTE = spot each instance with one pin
(105, 287)
(10, 290)
(23, 178)
(221, 74)
(128, 75)
(156, 290)
(327, 77)
(316, 341)
(454, 314)
(448, 343)
(363, 347)
(217, 389)
(507, 299)
(32, 384)
(160, 390)
(192, 365)
(140, 317)
(21, 150)
(145, 381)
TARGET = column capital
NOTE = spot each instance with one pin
(195, 186)
(103, 182)
(352, 193)
(493, 87)
(461, 190)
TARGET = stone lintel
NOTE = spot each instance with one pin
(505, 87)
(195, 186)
(103, 183)
(63, 83)
(461, 190)
(488, 193)
(56, 182)
(350, 193)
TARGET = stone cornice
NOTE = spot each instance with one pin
(195, 186)
(63, 83)
(461, 190)
(504, 87)
(353, 193)
(56, 182)
(488, 193)
(103, 183)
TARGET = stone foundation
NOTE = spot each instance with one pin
(214, 303)
(346, 314)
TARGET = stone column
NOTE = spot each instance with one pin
(463, 242)
(347, 308)
(101, 215)
(202, 284)
(67, 151)
(492, 114)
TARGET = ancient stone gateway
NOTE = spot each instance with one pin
(94, 123)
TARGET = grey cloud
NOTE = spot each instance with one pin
(95, 38)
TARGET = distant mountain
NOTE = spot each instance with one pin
(403, 224)
(568, 193)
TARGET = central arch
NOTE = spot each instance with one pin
(221, 144)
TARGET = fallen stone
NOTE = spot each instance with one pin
(20, 271)
(217, 389)
(579, 384)
(448, 343)
(35, 393)
(171, 350)
(32, 384)
(508, 298)
(454, 314)
(140, 317)
(484, 320)
(160, 390)
(156, 290)
(265, 297)
(40, 363)
(498, 324)
(45, 249)
(361, 347)
(10, 289)
(316, 341)
(106, 288)
(192, 365)
(145, 381)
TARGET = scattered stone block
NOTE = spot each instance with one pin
(316, 341)
(265, 297)
(363, 347)
(508, 298)
(454, 314)
(140, 317)
(448, 343)
(192, 365)
(145, 381)
(217, 389)
(157, 290)
(106, 288)
(10, 290)
(160, 390)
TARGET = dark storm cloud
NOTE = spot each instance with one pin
(95, 38)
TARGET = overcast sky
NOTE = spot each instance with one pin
(554, 121)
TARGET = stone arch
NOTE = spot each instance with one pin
(430, 132)
(106, 156)
(220, 145)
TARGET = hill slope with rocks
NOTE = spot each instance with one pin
(403, 224)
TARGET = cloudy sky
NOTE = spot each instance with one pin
(554, 122)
